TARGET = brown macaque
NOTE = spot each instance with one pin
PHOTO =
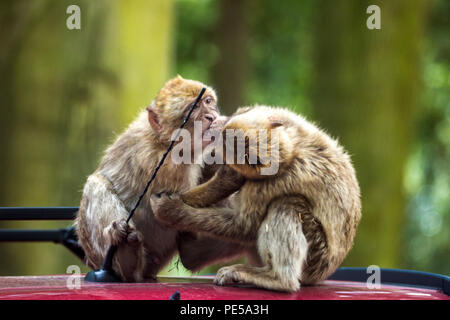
(146, 245)
(299, 205)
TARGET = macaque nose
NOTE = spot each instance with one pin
(219, 122)
(210, 117)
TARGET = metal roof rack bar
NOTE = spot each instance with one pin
(38, 213)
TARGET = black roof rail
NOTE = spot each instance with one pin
(38, 213)
(65, 236)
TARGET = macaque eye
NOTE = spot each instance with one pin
(208, 100)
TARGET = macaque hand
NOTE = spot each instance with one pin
(120, 232)
(166, 207)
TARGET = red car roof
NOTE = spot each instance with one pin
(197, 288)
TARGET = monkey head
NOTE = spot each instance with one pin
(172, 104)
(256, 142)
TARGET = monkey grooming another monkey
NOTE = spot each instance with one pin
(145, 245)
(302, 218)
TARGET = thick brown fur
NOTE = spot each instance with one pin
(145, 245)
(302, 220)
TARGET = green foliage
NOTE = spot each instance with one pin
(195, 50)
(427, 180)
(278, 48)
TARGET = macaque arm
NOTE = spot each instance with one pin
(225, 182)
(219, 222)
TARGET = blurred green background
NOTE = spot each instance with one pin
(65, 94)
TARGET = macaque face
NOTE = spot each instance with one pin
(205, 114)
(172, 105)
(200, 121)
(255, 143)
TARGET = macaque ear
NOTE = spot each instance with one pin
(153, 118)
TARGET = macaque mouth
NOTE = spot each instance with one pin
(214, 129)
(208, 133)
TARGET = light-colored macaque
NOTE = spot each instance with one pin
(145, 244)
(301, 219)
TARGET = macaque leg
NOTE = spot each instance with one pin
(129, 259)
(283, 249)
(225, 182)
(102, 223)
(197, 251)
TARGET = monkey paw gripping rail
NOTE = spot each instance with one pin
(345, 283)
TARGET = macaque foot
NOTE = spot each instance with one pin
(119, 232)
(164, 204)
(228, 275)
(262, 277)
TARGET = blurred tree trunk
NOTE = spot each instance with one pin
(230, 73)
(366, 91)
(65, 93)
